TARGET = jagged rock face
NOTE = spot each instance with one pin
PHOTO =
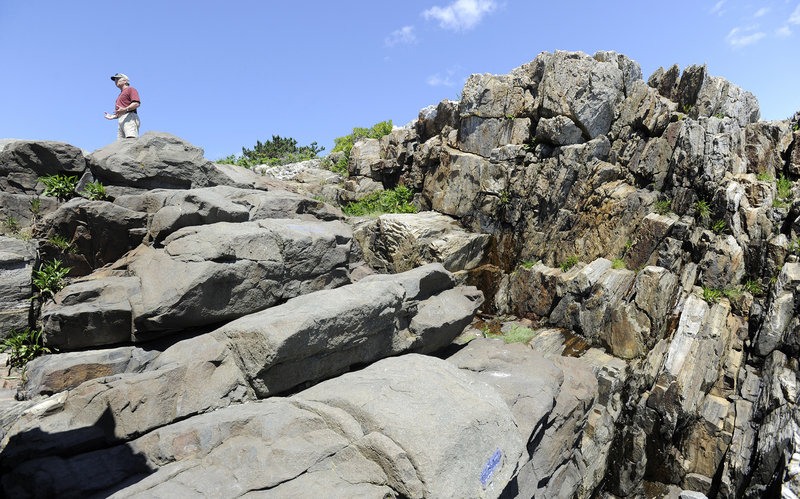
(556, 168)
(543, 197)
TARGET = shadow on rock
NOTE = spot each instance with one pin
(28, 470)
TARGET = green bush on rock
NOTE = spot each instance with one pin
(345, 144)
(275, 152)
(49, 279)
(23, 346)
(397, 200)
(59, 186)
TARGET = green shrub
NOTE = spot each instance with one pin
(794, 247)
(784, 186)
(345, 144)
(711, 295)
(519, 334)
(505, 198)
(376, 131)
(59, 186)
(397, 200)
(340, 167)
(11, 225)
(23, 346)
(765, 177)
(36, 206)
(275, 152)
(569, 263)
(618, 263)
(662, 207)
(719, 226)
(627, 247)
(529, 264)
(702, 210)
(733, 292)
(63, 243)
(49, 278)
(95, 191)
(753, 287)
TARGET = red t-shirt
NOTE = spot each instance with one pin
(128, 95)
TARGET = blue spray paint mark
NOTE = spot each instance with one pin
(491, 464)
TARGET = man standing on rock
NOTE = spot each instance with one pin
(125, 108)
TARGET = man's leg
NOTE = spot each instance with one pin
(129, 125)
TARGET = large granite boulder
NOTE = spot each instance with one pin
(155, 160)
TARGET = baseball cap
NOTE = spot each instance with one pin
(118, 76)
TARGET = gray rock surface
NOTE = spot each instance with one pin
(365, 434)
(105, 396)
(155, 160)
(559, 130)
(366, 321)
(402, 241)
(99, 233)
(174, 209)
(219, 272)
(587, 90)
(17, 261)
(22, 162)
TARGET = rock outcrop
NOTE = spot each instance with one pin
(637, 241)
(677, 205)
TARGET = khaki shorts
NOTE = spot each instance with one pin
(128, 126)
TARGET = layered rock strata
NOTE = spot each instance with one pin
(645, 234)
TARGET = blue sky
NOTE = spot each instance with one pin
(223, 75)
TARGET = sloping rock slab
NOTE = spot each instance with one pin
(321, 334)
(411, 426)
(57, 373)
(306, 339)
(203, 275)
(549, 398)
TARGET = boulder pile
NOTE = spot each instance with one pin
(223, 332)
